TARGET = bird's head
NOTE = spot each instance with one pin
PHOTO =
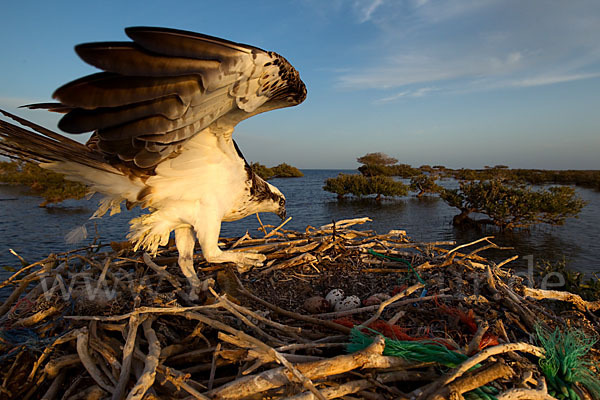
(278, 200)
(264, 196)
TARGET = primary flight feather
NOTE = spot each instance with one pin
(162, 114)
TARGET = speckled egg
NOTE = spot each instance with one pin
(335, 296)
(349, 303)
(316, 305)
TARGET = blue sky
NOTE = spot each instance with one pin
(463, 83)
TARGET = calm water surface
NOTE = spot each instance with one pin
(34, 232)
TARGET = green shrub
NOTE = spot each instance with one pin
(512, 206)
(423, 184)
(376, 159)
(286, 171)
(359, 185)
(400, 170)
(264, 172)
(53, 187)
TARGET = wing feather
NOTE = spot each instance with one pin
(83, 120)
(126, 58)
(166, 86)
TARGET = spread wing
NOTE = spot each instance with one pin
(167, 85)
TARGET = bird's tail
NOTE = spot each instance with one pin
(43, 146)
(76, 161)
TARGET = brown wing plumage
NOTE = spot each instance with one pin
(167, 85)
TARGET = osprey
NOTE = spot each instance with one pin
(162, 114)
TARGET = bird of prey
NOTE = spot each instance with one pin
(162, 113)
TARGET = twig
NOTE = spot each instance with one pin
(478, 358)
(213, 367)
(88, 363)
(384, 304)
(146, 380)
(262, 227)
(14, 296)
(54, 387)
(161, 271)
(134, 323)
(524, 394)
(480, 377)
(338, 314)
(291, 314)
(138, 311)
(487, 238)
(344, 389)
(251, 384)
(575, 299)
(268, 235)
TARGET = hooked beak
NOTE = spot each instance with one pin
(282, 213)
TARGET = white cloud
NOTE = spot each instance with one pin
(551, 79)
(366, 8)
(392, 98)
(407, 70)
(405, 93)
(475, 45)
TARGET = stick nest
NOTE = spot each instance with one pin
(102, 322)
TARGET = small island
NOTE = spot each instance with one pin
(282, 170)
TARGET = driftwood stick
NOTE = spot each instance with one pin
(88, 362)
(67, 337)
(478, 378)
(14, 296)
(240, 240)
(304, 258)
(229, 307)
(134, 323)
(476, 359)
(140, 310)
(177, 378)
(149, 373)
(503, 263)
(38, 316)
(480, 249)
(52, 391)
(94, 392)
(483, 239)
(268, 235)
(345, 223)
(56, 365)
(524, 394)
(14, 365)
(14, 276)
(262, 227)
(161, 271)
(476, 340)
(370, 357)
(103, 274)
(213, 367)
(358, 385)
(384, 304)
(285, 328)
(275, 355)
(576, 300)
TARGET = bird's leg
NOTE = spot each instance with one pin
(185, 241)
(209, 238)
